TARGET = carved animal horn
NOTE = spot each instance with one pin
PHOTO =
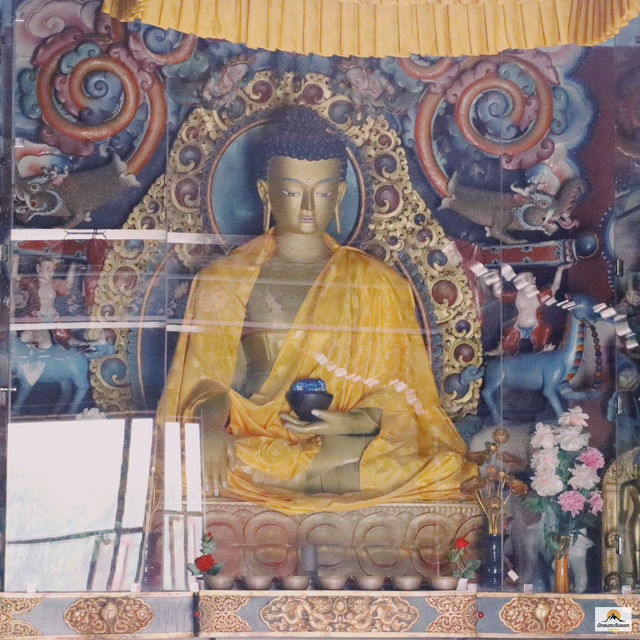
(523, 192)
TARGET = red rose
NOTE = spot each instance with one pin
(461, 543)
(204, 563)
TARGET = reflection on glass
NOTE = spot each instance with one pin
(139, 456)
(66, 498)
(172, 468)
(193, 466)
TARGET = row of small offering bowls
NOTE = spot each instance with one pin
(335, 583)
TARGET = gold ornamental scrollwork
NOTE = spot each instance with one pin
(9, 609)
(398, 227)
(218, 614)
(458, 614)
(633, 602)
(105, 615)
(547, 614)
(346, 614)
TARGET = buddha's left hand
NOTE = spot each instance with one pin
(360, 422)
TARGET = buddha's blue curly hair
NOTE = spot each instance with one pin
(299, 132)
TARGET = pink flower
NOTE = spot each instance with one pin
(583, 477)
(572, 501)
(544, 437)
(596, 502)
(592, 458)
(575, 417)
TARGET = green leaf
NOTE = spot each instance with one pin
(474, 564)
(535, 503)
(468, 573)
(193, 569)
(207, 546)
(553, 543)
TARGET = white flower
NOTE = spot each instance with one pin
(583, 477)
(546, 483)
(544, 437)
(90, 414)
(575, 417)
(572, 439)
(545, 459)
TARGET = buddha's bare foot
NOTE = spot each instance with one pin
(337, 464)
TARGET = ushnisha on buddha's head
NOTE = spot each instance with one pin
(303, 168)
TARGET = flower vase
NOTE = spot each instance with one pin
(491, 573)
(562, 565)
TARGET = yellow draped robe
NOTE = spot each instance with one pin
(357, 330)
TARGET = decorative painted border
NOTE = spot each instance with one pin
(10, 607)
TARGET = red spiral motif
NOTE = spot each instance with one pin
(429, 104)
(312, 94)
(527, 141)
(263, 90)
(155, 128)
(81, 131)
(178, 54)
(387, 199)
(48, 59)
(422, 72)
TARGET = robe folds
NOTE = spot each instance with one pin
(357, 330)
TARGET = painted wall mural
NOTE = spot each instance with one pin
(505, 189)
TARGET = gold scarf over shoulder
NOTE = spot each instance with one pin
(357, 330)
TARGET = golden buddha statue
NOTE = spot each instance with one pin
(629, 519)
(293, 304)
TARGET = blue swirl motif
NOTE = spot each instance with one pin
(160, 41)
(113, 371)
(561, 105)
(126, 141)
(196, 65)
(26, 94)
(511, 71)
(399, 77)
(104, 89)
(491, 116)
(85, 50)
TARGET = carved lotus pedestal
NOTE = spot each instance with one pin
(389, 540)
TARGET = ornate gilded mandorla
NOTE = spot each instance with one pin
(494, 489)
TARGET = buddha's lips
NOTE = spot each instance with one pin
(307, 218)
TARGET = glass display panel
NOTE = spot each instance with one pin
(471, 312)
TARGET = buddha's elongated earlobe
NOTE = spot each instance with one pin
(266, 215)
(342, 189)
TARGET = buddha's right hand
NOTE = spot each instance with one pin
(219, 456)
(218, 450)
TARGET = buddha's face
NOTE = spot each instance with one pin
(304, 195)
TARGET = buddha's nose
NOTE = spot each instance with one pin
(307, 200)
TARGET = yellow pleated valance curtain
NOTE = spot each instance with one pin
(387, 27)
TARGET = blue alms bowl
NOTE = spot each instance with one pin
(308, 394)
